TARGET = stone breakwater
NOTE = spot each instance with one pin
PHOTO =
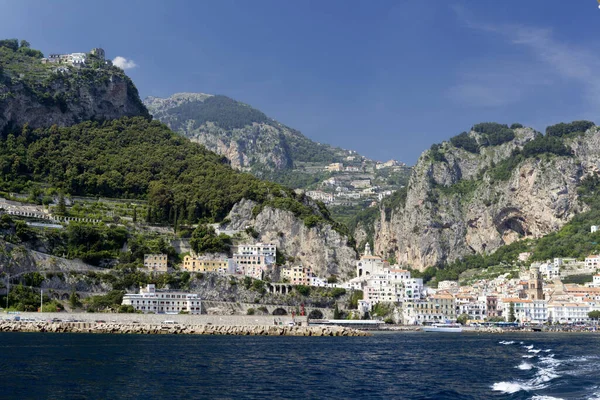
(89, 327)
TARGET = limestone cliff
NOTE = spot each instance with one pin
(460, 202)
(44, 95)
(319, 246)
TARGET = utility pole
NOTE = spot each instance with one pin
(41, 300)
(7, 290)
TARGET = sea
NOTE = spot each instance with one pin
(383, 366)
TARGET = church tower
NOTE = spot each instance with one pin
(368, 250)
(536, 284)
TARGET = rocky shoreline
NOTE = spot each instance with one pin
(159, 329)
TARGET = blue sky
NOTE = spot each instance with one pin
(385, 78)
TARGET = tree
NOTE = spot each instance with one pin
(462, 319)
(511, 313)
(134, 215)
(594, 315)
(61, 209)
(74, 300)
(25, 43)
(336, 312)
(205, 240)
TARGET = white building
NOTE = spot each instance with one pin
(321, 196)
(592, 262)
(253, 260)
(550, 270)
(596, 280)
(594, 228)
(161, 302)
(392, 286)
(568, 312)
(369, 264)
(448, 285)
(531, 311)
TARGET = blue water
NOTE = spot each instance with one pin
(393, 366)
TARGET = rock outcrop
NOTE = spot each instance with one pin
(69, 97)
(320, 246)
(161, 329)
(456, 206)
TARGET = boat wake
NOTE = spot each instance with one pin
(545, 372)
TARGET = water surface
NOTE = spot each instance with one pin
(391, 365)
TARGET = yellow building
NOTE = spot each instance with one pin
(156, 262)
(297, 275)
(195, 265)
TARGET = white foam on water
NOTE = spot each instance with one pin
(528, 356)
(508, 387)
(542, 397)
(506, 342)
(534, 351)
(544, 375)
(528, 347)
(524, 366)
(547, 350)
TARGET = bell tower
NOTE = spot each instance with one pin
(536, 284)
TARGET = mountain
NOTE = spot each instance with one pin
(40, 93)
(79, 129)
(245, 135)
(485, 189)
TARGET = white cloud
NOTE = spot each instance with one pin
(552, 58)
(124, 63)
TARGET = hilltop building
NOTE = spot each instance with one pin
(77, 59)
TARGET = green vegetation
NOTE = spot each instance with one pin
(571, 129)
(595, 315)
(303, 290)
(23, 298)
(466, 142)
(436, 153)
(578, 279)
(205, 240)
(494, 134)
(221, 110)
(462, 319)
(137, 158)
(109, 302)
(511, 312)
(541, 145)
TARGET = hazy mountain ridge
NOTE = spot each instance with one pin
(246, 136)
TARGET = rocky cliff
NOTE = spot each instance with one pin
(319, 246)
(43, 95)
(462, 202)
(246, 136)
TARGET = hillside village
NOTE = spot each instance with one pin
(534, 294)
(358, 180)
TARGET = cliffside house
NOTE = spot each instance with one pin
(156, 262)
